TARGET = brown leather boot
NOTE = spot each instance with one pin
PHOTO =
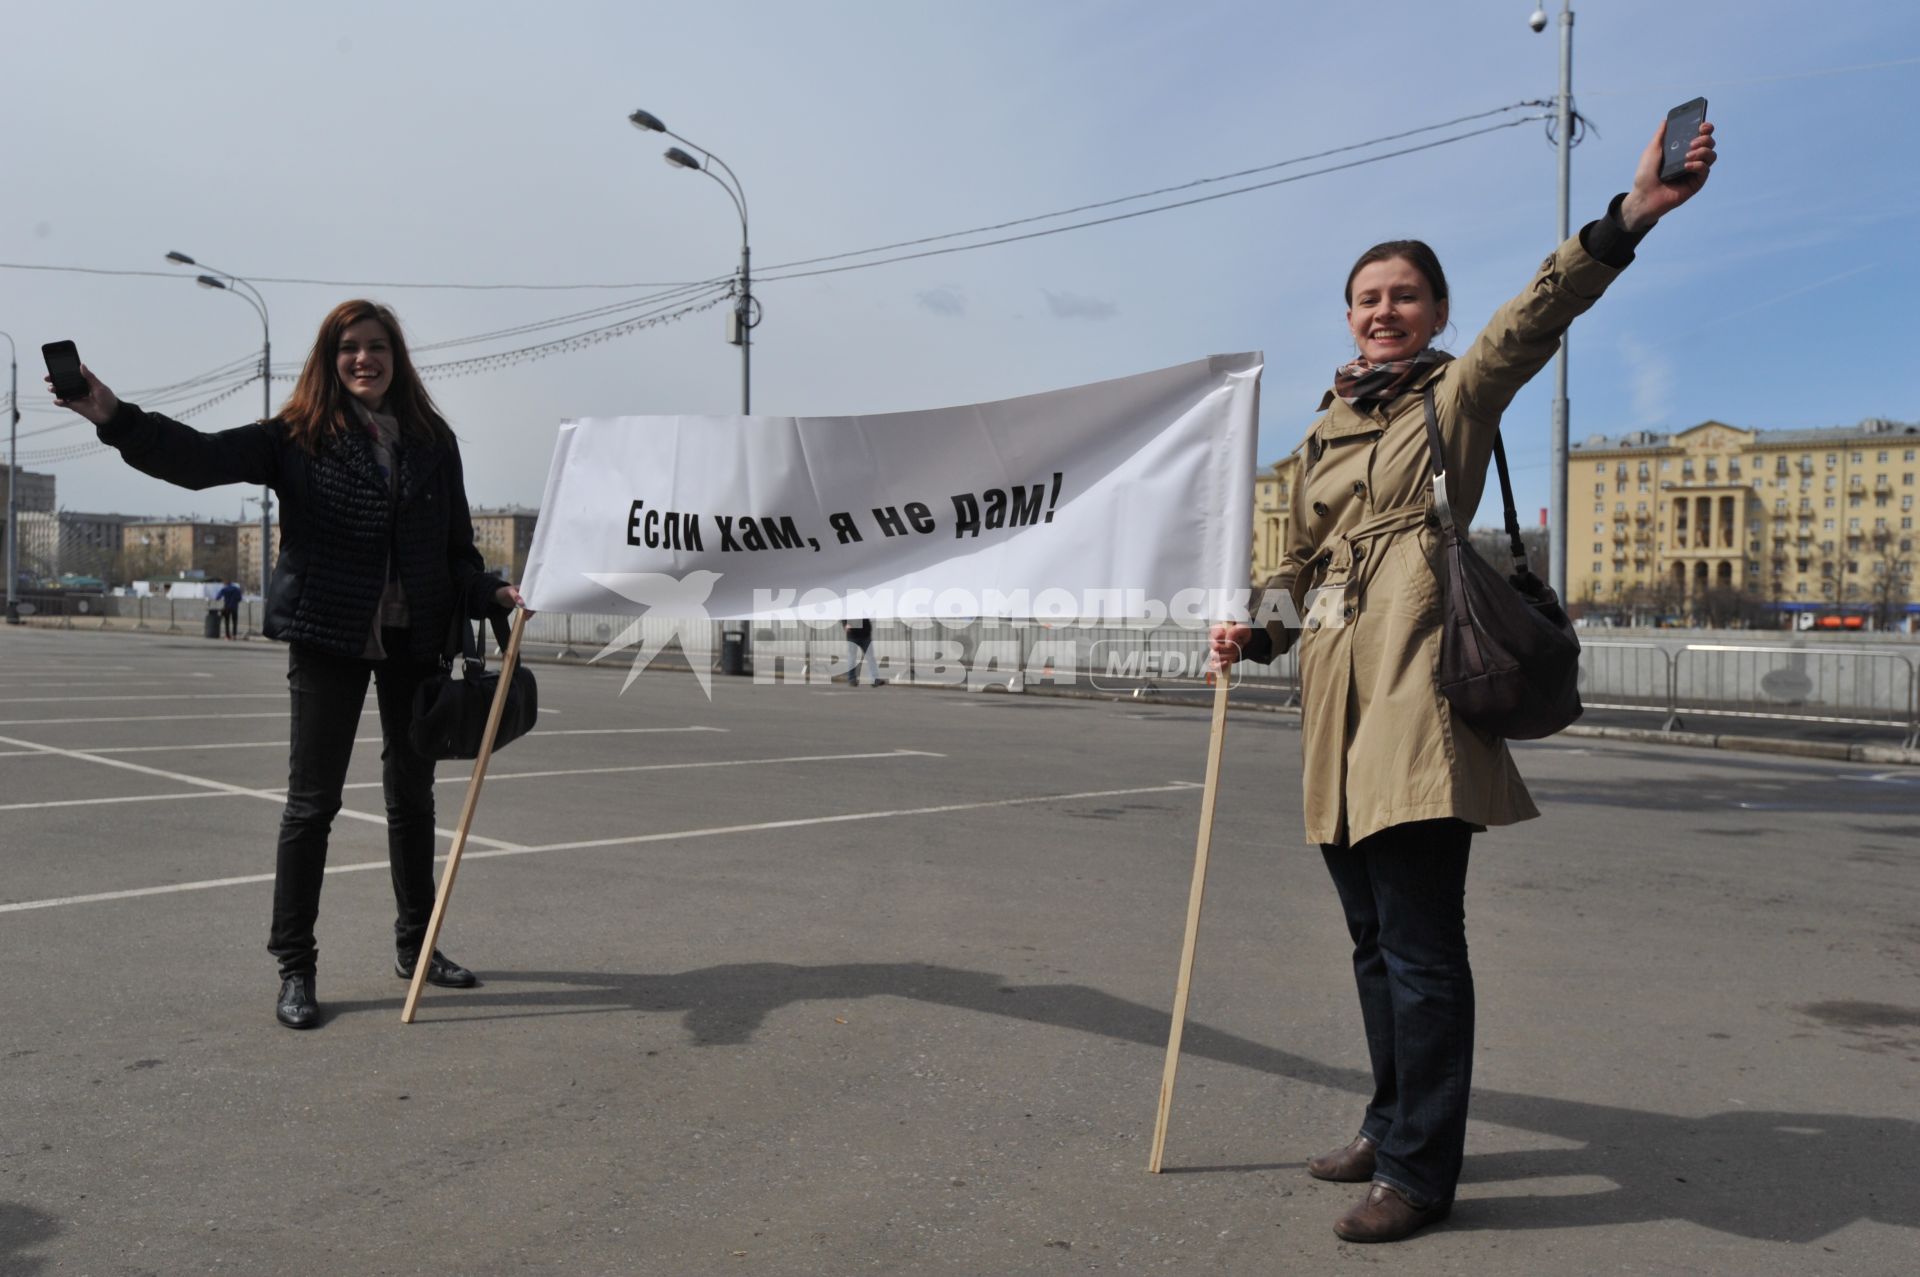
(1387, 1216)
(1350, 1165)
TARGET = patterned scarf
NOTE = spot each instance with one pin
(1363, 384)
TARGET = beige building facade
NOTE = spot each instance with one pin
(1795, 519)
(247, 553)
(175, 547)
(1273, 489)
(503, 537)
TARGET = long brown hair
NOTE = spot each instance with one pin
(320, 408)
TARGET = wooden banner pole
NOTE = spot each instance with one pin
(421, 963)
(1184, 984)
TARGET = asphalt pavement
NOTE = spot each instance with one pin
(805, 979)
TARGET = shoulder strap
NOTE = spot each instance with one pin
(1445, 507)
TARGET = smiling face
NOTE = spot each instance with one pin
(364, 362)
(1391, 311)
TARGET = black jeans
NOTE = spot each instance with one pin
(328, 692)
(230, 620)
(1404, 891)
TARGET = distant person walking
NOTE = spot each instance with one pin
(1395, 783)
(230, 595)
(859, 648)
(376, 562)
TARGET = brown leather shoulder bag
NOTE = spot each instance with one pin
(1509, 658)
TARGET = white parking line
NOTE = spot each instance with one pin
(137, 718)
(129, 798)
(358, 740)
(168, 696)
(221, 787)
(715, 831)
(670, 767)
(491, 775)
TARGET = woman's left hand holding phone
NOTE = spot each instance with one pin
(98, 407)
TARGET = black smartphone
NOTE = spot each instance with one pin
(63, 364)
(1683, 125)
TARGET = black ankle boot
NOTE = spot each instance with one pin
(298, 1008)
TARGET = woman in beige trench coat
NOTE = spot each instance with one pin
(1395, 784)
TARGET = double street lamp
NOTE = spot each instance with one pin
(1557, 480)
(744, 317)
(227, 283)
(13, 481)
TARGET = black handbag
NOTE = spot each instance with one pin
(1509, 658)
(450, 714)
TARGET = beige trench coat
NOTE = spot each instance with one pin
(1382, 745)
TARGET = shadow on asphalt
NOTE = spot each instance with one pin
(1774, 1176)
(23, 1228)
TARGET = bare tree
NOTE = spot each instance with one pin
(1889, 585)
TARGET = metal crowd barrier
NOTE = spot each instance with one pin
(1864, 686)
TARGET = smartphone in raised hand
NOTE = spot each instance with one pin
(1683, 125)
(63, 365)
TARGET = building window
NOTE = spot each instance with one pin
(1883, 458)
(1597, 569)
(1853, 525)
(1827, 525)
(1855, 458)
(1600, 467)
(1665, 466)
(1599, 489)
(1829, 503)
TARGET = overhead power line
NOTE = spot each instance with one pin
(880, 248)
(1158, 208)
(1163, 190)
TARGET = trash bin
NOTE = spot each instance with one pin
(733, 652)
(213, 623)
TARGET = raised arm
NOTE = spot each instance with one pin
(170, 450)
(1525, 333)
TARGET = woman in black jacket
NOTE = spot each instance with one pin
(376, 560)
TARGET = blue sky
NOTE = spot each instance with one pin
(480, 143)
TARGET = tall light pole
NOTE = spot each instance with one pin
(13, 481)
(227, 283)
(743, 319)
(1563, 116)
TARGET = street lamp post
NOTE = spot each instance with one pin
(1563, 118)
(13, 481)
(227, 283)
(742, 321)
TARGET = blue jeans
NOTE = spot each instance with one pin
(1404, 891)
(856, 653)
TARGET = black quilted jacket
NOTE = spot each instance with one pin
(338, 525)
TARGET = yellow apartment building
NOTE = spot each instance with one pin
(1798, 519)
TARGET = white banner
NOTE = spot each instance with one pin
(1108, 501)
